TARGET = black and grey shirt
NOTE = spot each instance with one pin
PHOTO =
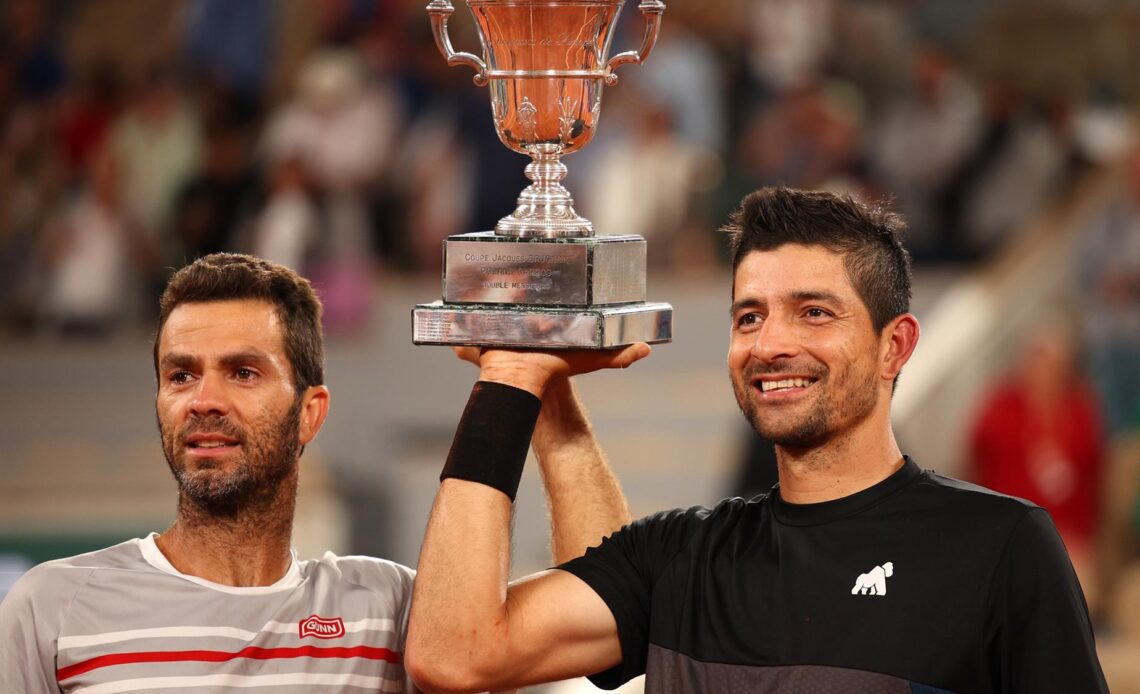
(920, 584)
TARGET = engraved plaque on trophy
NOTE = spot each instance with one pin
(542, 278)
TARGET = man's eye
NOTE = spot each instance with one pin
(180, 377)
(817, 313)
(748, 319)
(245, 374)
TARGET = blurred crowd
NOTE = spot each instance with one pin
(332, 137)
(329, 135)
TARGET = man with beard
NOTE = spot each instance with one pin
(219, 601)
(859, 571)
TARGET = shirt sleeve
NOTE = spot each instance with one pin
(1042, 638)
(29, 627)
(404, 577)
(391, 585)
(623, 570)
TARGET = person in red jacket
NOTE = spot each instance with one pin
(1039, 435)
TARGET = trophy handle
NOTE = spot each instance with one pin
(440, 10)
(652, 11)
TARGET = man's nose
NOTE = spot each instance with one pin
(776, 339)
(210, 396)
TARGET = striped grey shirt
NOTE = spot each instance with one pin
(122, 619)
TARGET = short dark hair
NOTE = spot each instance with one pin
(867, 235)
(234, 276)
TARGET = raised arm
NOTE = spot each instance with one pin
(468, 631)
(582, 492)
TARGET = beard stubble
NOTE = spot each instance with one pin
(825, 416)
(270, 450)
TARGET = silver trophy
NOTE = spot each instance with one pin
(542, 278)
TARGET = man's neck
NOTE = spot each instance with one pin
(841, 467)
(249, 548)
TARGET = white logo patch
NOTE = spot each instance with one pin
(874, 582)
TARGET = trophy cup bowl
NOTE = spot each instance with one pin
(543, 278)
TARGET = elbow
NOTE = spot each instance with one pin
(424, 669)
(426, 673)
(440, 672)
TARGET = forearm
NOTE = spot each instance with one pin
(458, 621)
(458, 608)
(467, 632)
(584, 496)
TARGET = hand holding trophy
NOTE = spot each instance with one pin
(542, 278)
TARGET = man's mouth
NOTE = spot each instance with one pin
(783, 384)
(210, 441)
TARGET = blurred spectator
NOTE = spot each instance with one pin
(86, 112)
(659, 141)
(1034, 165)
(1023, 157)
(92, 255)
(157, 142)
(1110, 280)
(440, 178)
(449, 147)
(31, 172)
(806, 138)
(232, 43)
(31, 185)
(340, 124)
(341, 127)
(26, 32)
(649, 162)
(1038, 435)
(285, 231)
(922, 138)
(211, 206)
(876, 40)
(791, 41)
(684, 74)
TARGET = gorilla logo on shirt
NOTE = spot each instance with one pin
(874, 582)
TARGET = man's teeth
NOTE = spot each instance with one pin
(211, 444)
(769, 386)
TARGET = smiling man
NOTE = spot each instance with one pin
(219, 602)
(858, 572)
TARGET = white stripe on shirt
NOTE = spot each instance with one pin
(297, 679)
(66, 642)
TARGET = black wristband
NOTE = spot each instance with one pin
(493, 436)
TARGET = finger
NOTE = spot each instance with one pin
(467, 353)
(631, 354)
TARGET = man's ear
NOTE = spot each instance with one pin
(899, 339)
(314, 409)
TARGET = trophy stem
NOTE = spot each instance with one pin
(545, 208)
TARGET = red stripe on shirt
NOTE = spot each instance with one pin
(253, 652)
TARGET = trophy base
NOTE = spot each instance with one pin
(587, 271)
(541, 327)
